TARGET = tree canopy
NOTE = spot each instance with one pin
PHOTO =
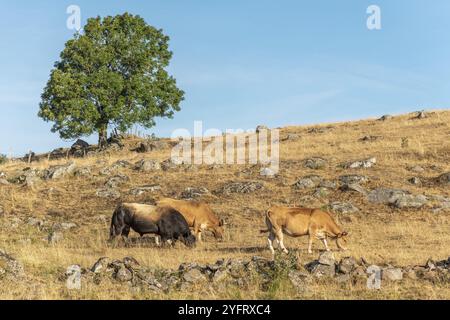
(111, 74)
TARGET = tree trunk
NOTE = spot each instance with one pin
(103, 136)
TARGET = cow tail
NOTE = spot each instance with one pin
(268, 223)
(115, 221)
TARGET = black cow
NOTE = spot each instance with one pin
(166, 222)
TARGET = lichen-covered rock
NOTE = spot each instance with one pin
(392, 274)
(308, 182)
(144, 189)
(59, 171)
(444, 178)
(10, 268)
(343, 207)
(241, 187)
(148, 165)
(194, 192)
(315, 163)
(116, 181)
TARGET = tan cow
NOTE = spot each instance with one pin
(198, 215)
(297, 222)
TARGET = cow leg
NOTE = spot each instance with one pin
(324, 240)
(157, 241)
(271, 239)
(310, 242)
(197, 232)
(280, 239)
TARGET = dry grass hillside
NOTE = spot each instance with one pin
(69, 210)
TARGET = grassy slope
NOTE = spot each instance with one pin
(379, 233)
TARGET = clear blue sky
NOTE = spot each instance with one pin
(244, 63)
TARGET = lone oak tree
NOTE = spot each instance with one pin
(113, 74)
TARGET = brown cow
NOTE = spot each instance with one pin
(198, 215)
(297, 222)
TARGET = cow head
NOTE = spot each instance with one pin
(189, 240)
(341, 240)
(218, 230)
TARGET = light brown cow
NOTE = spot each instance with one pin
(198, 215)
(297, 222)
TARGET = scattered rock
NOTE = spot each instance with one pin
(60, 171)
(64, 226)
(327, 258)
(291, 137)
(421, 115)
(347, 265)
(9, 267)
(320, 270)
(321, 192)
(397, 198)
(392, 274)
(169, 164)
(54, 237)
(354, 187)
(315, 163)
(150, 145)
(101, 265)
(194, 276)
(34, 222)
(367, 163)
(123, 275)
(369, 138)
(82, 172)
(108, 193)
(241, 187)
(119, 164)
(116, 181)
(308, 182)
(418, 169)
(317, 130)
(148, 165)
(106, 171)
(192, 193)
(299, 280)
(343, 207)
(73, 274)
(415, 180)
(144, 189)
(410, 201)
(385, 195)
(353, 178)
(444, 178)
(267, 172)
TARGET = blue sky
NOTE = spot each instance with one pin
(243, 63)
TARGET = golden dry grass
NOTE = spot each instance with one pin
(379, 233)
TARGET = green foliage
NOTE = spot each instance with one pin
(113, 74)
(3, 159)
